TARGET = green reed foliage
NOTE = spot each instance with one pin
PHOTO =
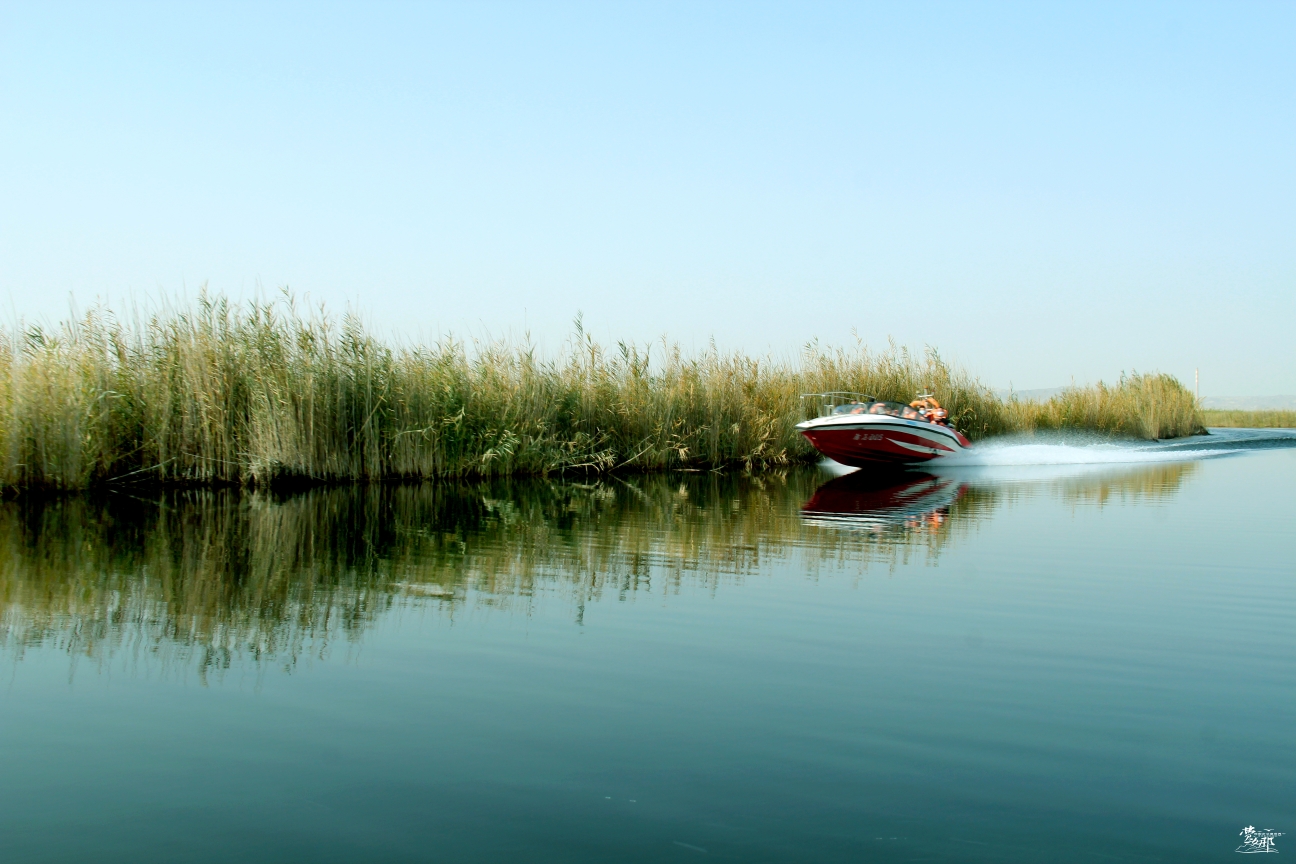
(1250, 419)
(222, 393)
(1147, 406)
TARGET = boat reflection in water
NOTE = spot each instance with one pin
(879, 502)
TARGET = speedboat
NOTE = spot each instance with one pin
(855, 429)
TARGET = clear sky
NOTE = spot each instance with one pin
(1045, 192)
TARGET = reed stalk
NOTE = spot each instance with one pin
(250, 395)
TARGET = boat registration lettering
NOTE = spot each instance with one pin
(868, 436)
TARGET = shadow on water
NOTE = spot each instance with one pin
(202, 578)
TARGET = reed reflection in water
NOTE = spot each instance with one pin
(210, 577)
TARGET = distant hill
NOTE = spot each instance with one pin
(1042, 395)
(1250, 403)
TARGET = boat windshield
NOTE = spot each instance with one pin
(892, 409)
(889, 408)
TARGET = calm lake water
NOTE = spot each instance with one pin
(1061, 653)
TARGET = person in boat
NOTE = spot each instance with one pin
(930, 409)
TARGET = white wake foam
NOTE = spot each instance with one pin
(1061, 456)
(1003, 454)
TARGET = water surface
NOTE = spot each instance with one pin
(1057, 653)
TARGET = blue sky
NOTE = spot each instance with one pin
(1045, 192)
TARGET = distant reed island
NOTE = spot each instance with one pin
(261, 393)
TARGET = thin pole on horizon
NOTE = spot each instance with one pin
(1197, 384)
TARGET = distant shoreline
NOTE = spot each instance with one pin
(1230, 419)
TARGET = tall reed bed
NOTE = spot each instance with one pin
(1148, 406)
(222, 393)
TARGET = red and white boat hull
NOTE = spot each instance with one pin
(870, 439)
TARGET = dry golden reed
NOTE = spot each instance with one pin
(254, 394)
(1151, 406)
